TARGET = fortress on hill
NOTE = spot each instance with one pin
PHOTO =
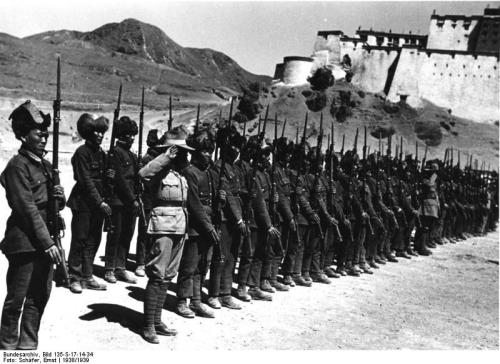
(455, 66)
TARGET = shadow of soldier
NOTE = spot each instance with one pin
(124, 316)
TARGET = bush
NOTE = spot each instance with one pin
(321, 79)
(316, 102)
(249, 105)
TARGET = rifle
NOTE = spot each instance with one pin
(196, 126)
(110, 186)
(272, 203)
(170, 119)
(401, 150)
(343, 143)
(138, 183)
(297, 136)
(355, 147)
(318, 169)
(423, 160)
(367, 220)
(283, 130)
(218, 205)
(56, 222)
(330, 180)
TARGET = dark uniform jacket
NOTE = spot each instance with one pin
(125, 164)
(233, 209)
(306, 213)
(201, 197)
(284, 190)
(26, 182)
(88, 171)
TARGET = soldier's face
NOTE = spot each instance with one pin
(96, 137)
(128, 140)
(36, 140)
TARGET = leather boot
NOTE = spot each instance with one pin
(242, 293)
(160, 327)
(150, 304)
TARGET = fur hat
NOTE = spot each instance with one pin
(27, 117)
(125, 126)
(101, 124)
(86, 125)
(202, 139)
(152, 140)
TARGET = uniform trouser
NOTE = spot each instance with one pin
(359, 252)
(252, 266)
(304, 231)
(118, 243)
(372, 240)
(293, 241)
(397, 242)
(460, 222)
(311, 247)
(422, 235)
(142, 239)
(330, 247)
(321, 249)
(86, 233)
(193, 267)
(390, 228)
(29, 282)
(343, 247)
(274, 256)
(221, 274)
(164, 256)
(411, 221)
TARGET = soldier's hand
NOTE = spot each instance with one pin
(333, 221)
(172, 152)
(222, 196)
(274, 233)
(110, 173)
(136, 207)
(276, 197)
(242, 228)
(316, 219)
(214, 236)
(105, 208)
(54, 254)
(293, 225)
(59, 192)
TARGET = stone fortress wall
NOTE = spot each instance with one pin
(455, 66)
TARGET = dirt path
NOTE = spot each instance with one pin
(446, 301)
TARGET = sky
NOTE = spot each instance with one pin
(256, 34)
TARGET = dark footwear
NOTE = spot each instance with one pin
(307, 277)
(202, 310)
(214, 303)
(183, 310)
(140, 271)
(403, 255)
(300, 281)
(365, 269)
(162, 329)
(391, 258)
(331, 273)
(288, 281)
(379, 260)
(257, 294)
(321, 278)
(424, 252)
(93, 284)
(110, 277)
(242, 294)
(411, 252)
(229, 302)
(342, 272)
(149, 334)
(124, 276)
(75, 287)
(353, 272)
(266, 286)
(373, 265)
(279, 286)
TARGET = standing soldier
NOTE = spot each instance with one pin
(202, 193)
(142, 244)
(123, 202)
(87, 203)
(27, 244)
(167, 228)
(232, 226)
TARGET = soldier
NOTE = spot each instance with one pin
(232, 225)
(167, 228)
(27, 244)
(87, 203)
(123, 202)
(153, 151)
(203, 235)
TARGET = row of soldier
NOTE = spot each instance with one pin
(269, 214)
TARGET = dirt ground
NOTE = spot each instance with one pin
(446, 301)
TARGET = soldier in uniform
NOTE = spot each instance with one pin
(27, 244)
(123, 202)
(167, 228)
(203, 235)
(87, 203)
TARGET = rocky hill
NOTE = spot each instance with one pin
(134, 53)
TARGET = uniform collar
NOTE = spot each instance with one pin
(30, 155)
